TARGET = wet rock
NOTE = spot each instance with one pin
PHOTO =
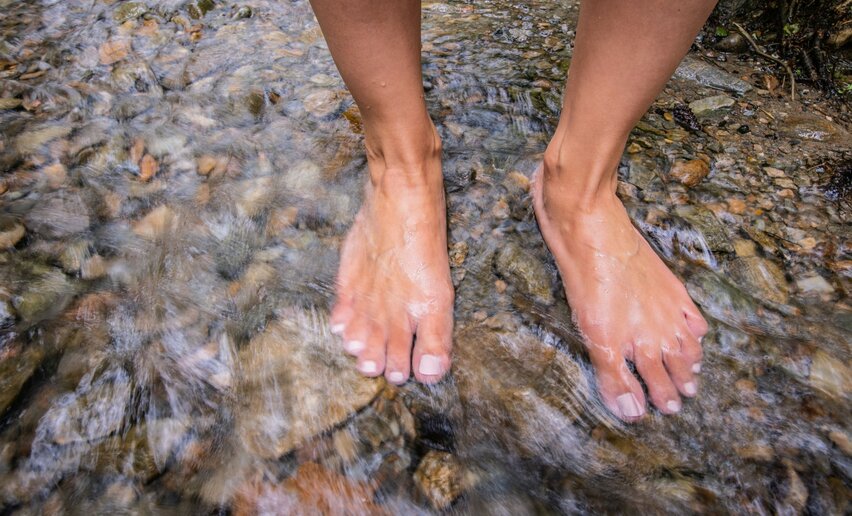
(525, 271)
(58, 216)
(711, 104)
(11, 232)
(113, 51)
(841, 440)
(304, 179)
(813, 127)
(30, 142)
(322, 103)
(441, 478)
(313, 489)
(830, 375)
(7, 103)
(96, 409)
(243, 12)
(734, 42)
(815, 284)
(296, 383)
(528, 394)
(711, 229)
(158, 222)
(763, 277)
(148, 167)
(693, 69)
(45, 297)
(19, 362)
(689, 173)
(129, 11)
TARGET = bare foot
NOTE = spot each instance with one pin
(626, 302)
(394, 278)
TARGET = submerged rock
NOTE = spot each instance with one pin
(830, 375)
(297, 382)
(689, 173)
(59, 216)
(441, 478)
(19, 362)
(525, 271)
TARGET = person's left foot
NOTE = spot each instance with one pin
(627, 304)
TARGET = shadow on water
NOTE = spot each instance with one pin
(176, 181)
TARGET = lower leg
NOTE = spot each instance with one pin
(393, 281)
(626, 303)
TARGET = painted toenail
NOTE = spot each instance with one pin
(696, 367)
(367, 367)
(337, 329)
(690, 388)
(673, 406)
(430, 364)
(628, 405)
(354, 346)
(396, 377)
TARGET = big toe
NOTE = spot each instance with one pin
(620, 391)
(431, 358)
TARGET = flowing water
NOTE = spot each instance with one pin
(177, 178)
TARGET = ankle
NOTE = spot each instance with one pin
(582, 175)
(410, 151)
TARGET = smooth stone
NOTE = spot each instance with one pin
(296, 383)
(19, 363)
(11, 233)
(58, 216)
(129, 11)
(689, 173)
(812, 127)
(765, 278)
(705, 74)
(711, 104)
(830, 375)
(815, 284)
(30, 142)
(525, 271)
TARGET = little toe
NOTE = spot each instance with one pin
(619, 389)
(696, 322)
(341, 313)
(683, 363)
(649, 363)
(355, 334)
(431, 358)
(398, 361)
(371, 361)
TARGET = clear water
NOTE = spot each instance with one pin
(174, 216)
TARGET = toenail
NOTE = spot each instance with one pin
(696, 367)
(673, 406)
(396, 377)
(337, 329)
(354, 346)
(368, 367)
(690, 388)
(430, 364)
(628, 405)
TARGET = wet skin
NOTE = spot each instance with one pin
(394, 305)
(626, 303)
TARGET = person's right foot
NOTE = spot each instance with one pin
(394, 278)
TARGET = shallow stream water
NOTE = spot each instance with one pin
(175, 181)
